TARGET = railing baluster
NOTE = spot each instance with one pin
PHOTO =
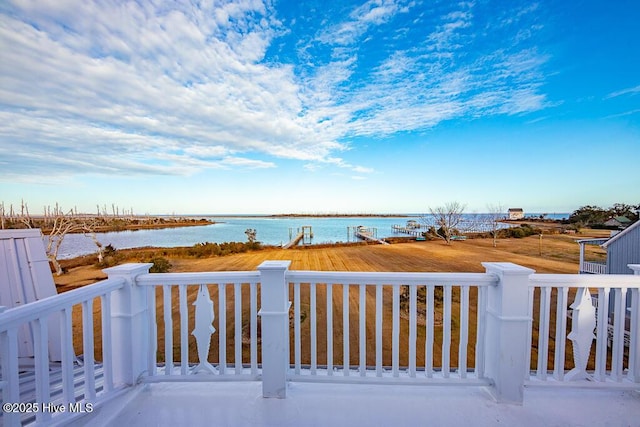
(379, 330)
(446, 333)
(464, 331)
(634, 342)
(41, 359)
(561, 333)
(413, 333)
(312, 309)
(107, 356)
(527, 364)
(602, 334)
(237, 294)
(222, 328)
(87, 349)
(395, 333)
(618, 334)
(152, 364)
(329, 294)
(363, 330)
(253, 291)
(428, 342)
(296, 328)
(168, 330)
(345, 329)
(66, 336)
(543, 332)
(9, 366)
(481, 308)
(184, 330)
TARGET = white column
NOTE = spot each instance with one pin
(508, 322)
(581, 265)
(129, 324)
(275, 327)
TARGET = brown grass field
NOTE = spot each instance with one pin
(553, 253)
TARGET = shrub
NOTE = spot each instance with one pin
(110, 257)
(519, 232)
(214, 249)
(160, 265)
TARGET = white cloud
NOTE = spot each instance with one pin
(623, 114)
(240, 161)
(138, 84)
(135, 87)
(628, 91)
(371, 13)
(361, 169)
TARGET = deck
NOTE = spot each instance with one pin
(238, 371)
(308, 404)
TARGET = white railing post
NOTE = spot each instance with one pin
(508, 322)
(129, 324)
(634, 330)
(275, 327)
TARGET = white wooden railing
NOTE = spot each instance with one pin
(325, 326)
(194, 298)
(589, 361)
(593, 267)
(337, 292)
(56, 384)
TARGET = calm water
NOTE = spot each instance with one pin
(270, 231)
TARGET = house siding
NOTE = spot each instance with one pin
(623, 251)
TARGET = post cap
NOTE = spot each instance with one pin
(274, 265)
(507, 268)
(128, 269)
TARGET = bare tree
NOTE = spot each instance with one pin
(25, 216)
(62, 224)
(251, 234)
(88, 228)
(447, 220)
(494, 214)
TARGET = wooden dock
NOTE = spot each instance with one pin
(367, 234)
(303, 233)
(412, 231)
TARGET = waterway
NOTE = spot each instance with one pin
(270, 231)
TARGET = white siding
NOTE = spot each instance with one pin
(624, 250)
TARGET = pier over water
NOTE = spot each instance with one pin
(303, 234)
(368, 234)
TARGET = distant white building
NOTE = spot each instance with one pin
(516, 213)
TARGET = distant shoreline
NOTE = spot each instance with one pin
(114, 224)
(294, 215)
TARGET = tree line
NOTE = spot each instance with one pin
(591, 215)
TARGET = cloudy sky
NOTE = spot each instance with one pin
(319, 106)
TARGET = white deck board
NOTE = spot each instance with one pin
(313, 404)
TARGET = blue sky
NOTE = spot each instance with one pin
(319, 106)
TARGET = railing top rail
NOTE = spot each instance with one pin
(210, 277)
(390, 278)
(34, 310)
(585, 280)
